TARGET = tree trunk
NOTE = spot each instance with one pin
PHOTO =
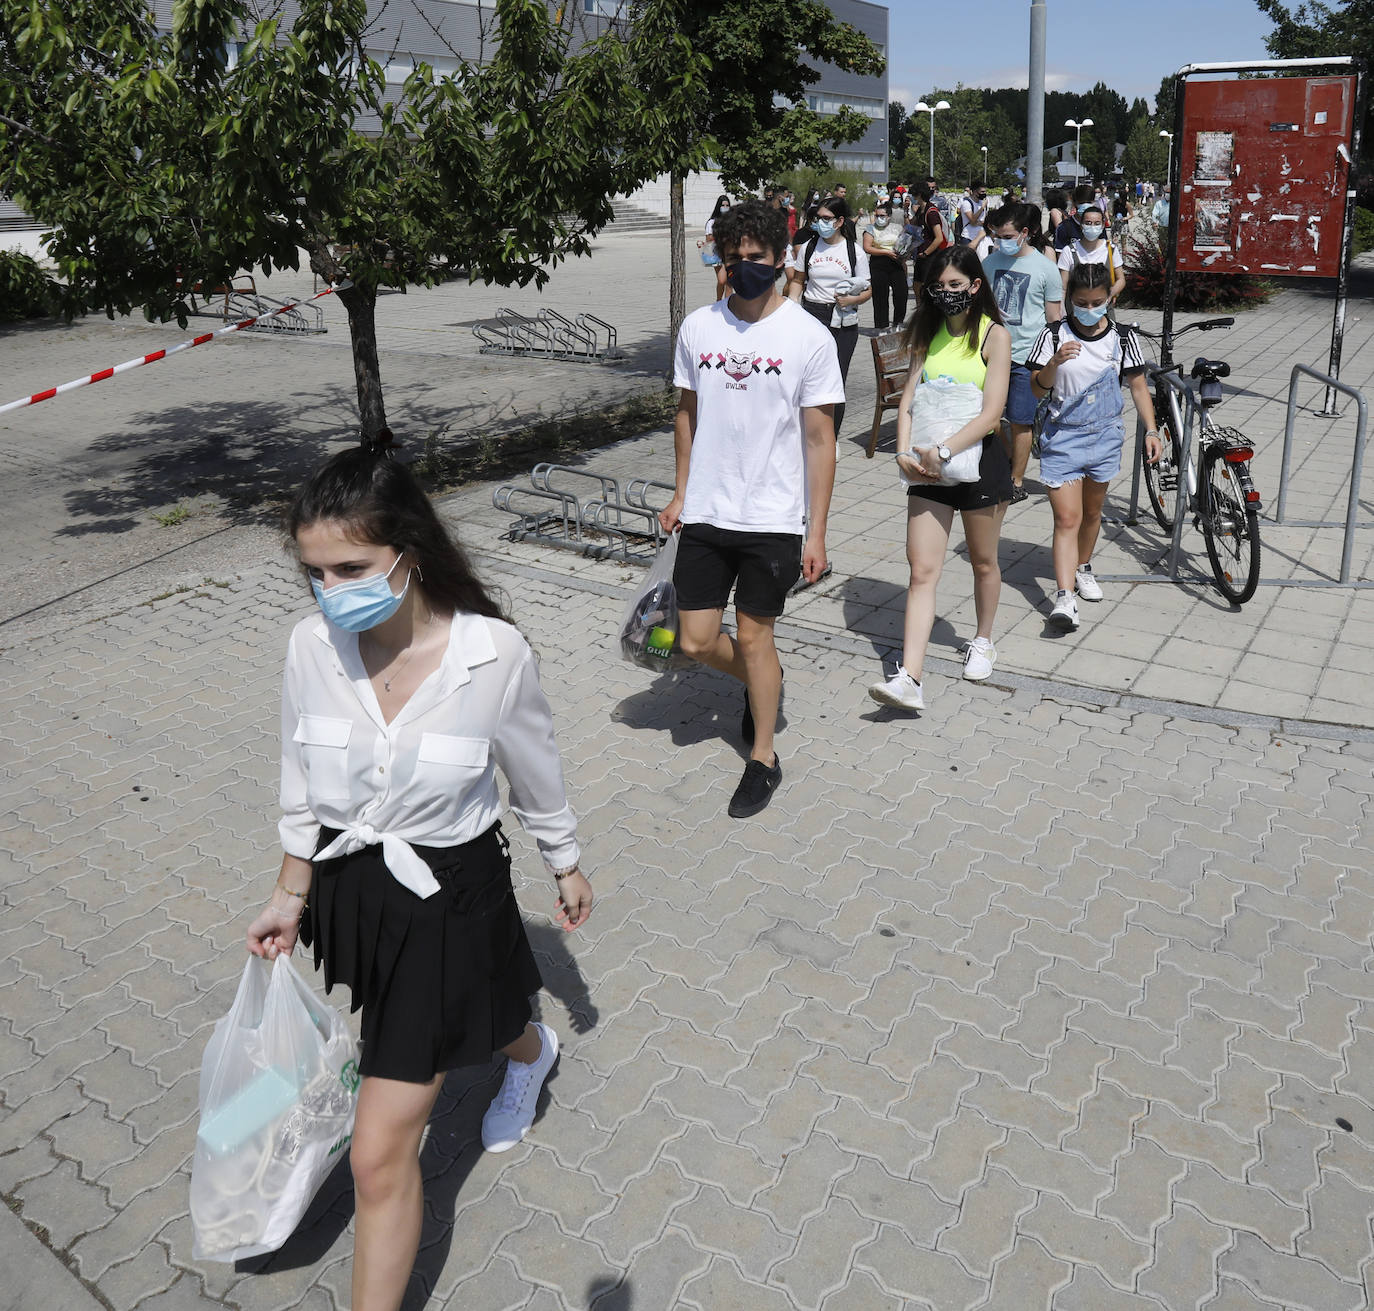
(361, 304)
(677, 276)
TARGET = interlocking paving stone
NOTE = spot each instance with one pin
(1133, 946)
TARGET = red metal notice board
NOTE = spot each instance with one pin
(1264, 164)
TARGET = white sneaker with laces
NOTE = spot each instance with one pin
(900, 691)
(510, 1115)
(1064, 616)
(979, 657)
(1085, 583)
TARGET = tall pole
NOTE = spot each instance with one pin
(932, 143)
(1035, 107)
(1078, 154)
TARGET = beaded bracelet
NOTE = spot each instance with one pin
(304, 896)
(560, 874)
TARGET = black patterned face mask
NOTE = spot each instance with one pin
(952, 302)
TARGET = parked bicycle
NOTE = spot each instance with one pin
(1223, 499)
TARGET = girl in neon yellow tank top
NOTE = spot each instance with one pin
(956, 332)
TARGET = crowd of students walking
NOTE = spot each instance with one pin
(1012, 310)
(410, 688)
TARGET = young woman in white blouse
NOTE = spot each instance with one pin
(399, 703)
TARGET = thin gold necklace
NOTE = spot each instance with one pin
(410, 651)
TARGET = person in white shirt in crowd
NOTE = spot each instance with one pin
(707, 245)
(833, 280)
(1093, 247)
(973, 213)
(956, 333)
(399, 703)
(1160, 214)
(754, 438)
(888, 269)
(796, 241)
(1029, 294)
(1080, 363)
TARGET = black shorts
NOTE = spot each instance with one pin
(994, 483)
(761, 567)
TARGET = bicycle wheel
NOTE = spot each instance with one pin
(1161, 478)
(1231, 527)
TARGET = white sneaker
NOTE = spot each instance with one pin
(901, 691)
(510, 1115)
(1065, 613)
(1085, 583)
(979, 657)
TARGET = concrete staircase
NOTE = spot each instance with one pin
(630, 218)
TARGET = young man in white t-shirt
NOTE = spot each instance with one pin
(755, 442)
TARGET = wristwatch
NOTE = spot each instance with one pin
(945, 454)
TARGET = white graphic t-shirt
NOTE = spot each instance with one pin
(1110, 349)
(748, 468)
(829, 267)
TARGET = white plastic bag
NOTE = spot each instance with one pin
(278, 1089)
(939, 408)
(649, 631)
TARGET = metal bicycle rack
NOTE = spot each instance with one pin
(236, 302)
(549, 335)
(1351, 521)
(606, 524)
(1183, 424)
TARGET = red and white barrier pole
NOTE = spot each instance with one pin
(101, 374)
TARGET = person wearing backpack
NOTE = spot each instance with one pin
(1081, 370)
(833, 280)
(1093, 247)
(928, 235)
(973, 210)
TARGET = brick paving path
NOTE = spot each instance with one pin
(1055, 997)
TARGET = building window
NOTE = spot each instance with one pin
(828, 102)
(603, 8)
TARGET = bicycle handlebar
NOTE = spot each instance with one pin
(1202, 325)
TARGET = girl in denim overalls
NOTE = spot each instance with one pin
(1082, 370)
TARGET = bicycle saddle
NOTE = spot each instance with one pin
(1205, 368)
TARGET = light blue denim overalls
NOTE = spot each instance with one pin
(1084, 435)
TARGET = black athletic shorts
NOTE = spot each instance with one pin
(761, 567)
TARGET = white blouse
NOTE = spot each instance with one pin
(429, 776)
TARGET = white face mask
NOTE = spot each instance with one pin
(1091, 231)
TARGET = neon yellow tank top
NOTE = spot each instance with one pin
(948, 358)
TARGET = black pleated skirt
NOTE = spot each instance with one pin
(443, 981)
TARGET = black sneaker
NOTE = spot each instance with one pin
(755, 789)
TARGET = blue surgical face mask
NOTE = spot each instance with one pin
(1009, 245)
(880, 220)
(824, 228)
(1088, 316)
(1091, 231)
(361, 603)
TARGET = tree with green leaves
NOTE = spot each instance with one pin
(899, 129)
(1314, 30)
(960, 133)
(161, 168)
(747, 110)
(1146, 151)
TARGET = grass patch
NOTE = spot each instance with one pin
(179, 513)
(444, 464)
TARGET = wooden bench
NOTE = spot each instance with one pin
(891, 361)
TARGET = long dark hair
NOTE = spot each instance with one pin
(720, 200)
(930, 318)
(380, 501)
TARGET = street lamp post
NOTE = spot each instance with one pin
(1078, 147)
(1169, 158)
(923, 108)
(984, 149)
